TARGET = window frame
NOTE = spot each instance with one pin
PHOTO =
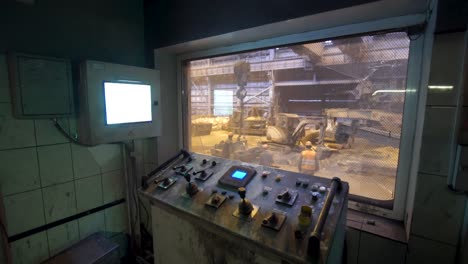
(407, 162)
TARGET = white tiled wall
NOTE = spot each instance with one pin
(438, 212)
(45, 178)
(437, 217)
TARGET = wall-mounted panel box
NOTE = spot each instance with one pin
(117, 103)
(41, 87)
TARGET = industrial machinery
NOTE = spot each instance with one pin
(212, 210)
(254, 124)
(290, 132)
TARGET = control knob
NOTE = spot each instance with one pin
(191, 188)
(245, 206)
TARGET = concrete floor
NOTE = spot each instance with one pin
(369, 168)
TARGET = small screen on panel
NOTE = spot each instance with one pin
(238, 174)
(127, 103)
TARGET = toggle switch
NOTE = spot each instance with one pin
(181, 168)
(216, 199)
(275, 220)
(285, 195)
(166, 181)
(272, 219)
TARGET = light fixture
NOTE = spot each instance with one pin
(388, 91)
(441, 87)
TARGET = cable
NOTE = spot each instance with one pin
(66, 134)
(74, 140)
(146, 212)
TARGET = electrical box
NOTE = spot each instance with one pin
(41, 87)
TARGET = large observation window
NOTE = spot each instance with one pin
(345, 96)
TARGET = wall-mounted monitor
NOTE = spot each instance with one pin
(119, 97)
(117, 103)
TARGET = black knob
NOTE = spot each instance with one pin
(315, 196)
(187, 177)
(204, 161)
(213, 163)
(241, 192)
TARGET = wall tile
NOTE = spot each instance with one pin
(447, 62)
(59, 201)
(24, 211)
(32, 249)
(425, 251)
(88, 193)
(63, 236)
(84, 163)
(438, 134)
(436, 206)
(91, 224)
(113, 186)
(109, 156)
(150, 150)
(374, 249)
(48, 134)
(15, 133)
(19, 171)
(4, 84)
(55, 164)
(116, 218)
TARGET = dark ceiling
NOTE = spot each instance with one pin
(177, 21)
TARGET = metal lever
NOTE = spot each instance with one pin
(145, 179)
(313, 247)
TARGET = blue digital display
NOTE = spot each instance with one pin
(238, 174)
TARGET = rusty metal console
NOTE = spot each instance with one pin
(280, 216)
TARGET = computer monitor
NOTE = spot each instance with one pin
(127, 103)
(117, 103)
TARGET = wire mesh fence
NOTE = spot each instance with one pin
(346, 96)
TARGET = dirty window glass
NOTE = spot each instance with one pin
(332, 108)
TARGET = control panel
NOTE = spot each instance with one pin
(287, 212)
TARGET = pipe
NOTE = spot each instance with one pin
(313, 247)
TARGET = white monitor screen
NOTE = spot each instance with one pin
(127, 103)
